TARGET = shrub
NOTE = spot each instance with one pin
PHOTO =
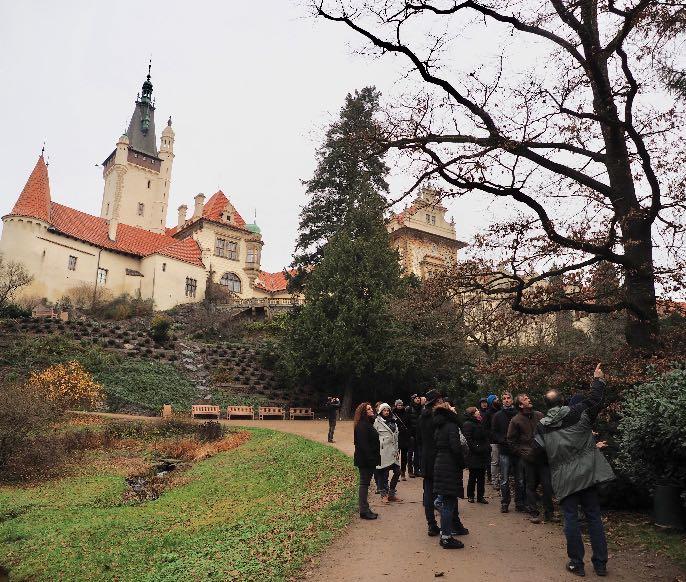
(14, 311)
(67, 385)
(653, 431)
(210, 431)
(24, 414)
(159, 328)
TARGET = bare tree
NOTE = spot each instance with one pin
(581, 142)
(13, 276)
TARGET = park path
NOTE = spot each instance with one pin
(499, 547)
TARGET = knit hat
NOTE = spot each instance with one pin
(398, 403)
(382, 406)
(491, 398)
(413, 397)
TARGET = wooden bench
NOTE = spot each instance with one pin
(205, 410)
(298, 411)
(271, 411)
(240, 411)
(167, 411)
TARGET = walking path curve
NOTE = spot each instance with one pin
(499, 547)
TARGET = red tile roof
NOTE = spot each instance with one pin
(273, 282)
(129, 239)
(34, 200)
(215, 206)
(405, 214)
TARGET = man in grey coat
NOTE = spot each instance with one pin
(577, 467)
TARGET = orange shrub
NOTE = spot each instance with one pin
(67, 385)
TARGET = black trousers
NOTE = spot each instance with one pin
(403, 461)
(538, 474)
(363, 494)
(477, 477)
(332, 427)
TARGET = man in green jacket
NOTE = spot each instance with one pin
(577, 467)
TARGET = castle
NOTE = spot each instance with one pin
(129, 249)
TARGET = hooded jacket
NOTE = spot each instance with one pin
(448, 463)
(425, 442)
(388, 441)
(566, 434)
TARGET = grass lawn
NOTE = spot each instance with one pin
(257, 512)
(631, 530)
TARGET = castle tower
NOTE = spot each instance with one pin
(138, 176)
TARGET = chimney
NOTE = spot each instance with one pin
(199, 205)
(112, 229)
(182, 215)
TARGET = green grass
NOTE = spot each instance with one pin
(258, 512)
(636, 530)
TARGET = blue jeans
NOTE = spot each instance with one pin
(429, 508)
(588, 499)
(446, 508)
(510, 466)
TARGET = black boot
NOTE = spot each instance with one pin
(504, 508)
(434, 530)
(451, 544)
(369, 514)
(482, 500)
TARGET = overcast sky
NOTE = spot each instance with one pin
(251, 88)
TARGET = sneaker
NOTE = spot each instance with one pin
(504, 509)
(434, 530)
(369, 515)
(395, 498)
(576, 570)
(403, 478)
(460, 531)
(470, 499)
(482, 501)
(385, 499)
(600, 570)
(451, 544)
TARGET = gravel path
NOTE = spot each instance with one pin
(499, 547)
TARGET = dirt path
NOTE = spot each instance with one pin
(499, 547)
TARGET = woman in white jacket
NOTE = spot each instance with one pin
(390, 453)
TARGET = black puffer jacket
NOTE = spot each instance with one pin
(448, 464)
(479, 456)
(425, 442)
(367, 446)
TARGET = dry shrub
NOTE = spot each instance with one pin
(67, 385)
(191, 449)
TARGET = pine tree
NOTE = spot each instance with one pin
(349, 171)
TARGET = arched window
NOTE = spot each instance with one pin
(231, 282)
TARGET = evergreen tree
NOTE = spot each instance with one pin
(349, 171)
(343, 331)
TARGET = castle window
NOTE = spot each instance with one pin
(252, 256)
(226, 248)
(191, 287)
(102, 276)
(231, 281)
(141, 208)
(148, 184)
(433, 219)
(107, 212)
(164, 267)
(428, 219)
(71, 265)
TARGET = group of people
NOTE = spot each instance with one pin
(502, 438)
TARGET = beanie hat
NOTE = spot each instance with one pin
(398, 403)
(382, 406)
(491, 398)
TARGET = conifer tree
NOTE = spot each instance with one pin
(348, 171)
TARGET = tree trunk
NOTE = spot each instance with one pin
(347, 403)
(642, 328)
